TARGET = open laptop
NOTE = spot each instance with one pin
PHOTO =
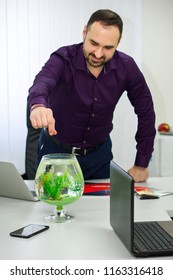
(122, 219)
(12, 185)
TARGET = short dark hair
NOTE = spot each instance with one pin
(107, 18)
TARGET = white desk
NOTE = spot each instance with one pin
(88, 237)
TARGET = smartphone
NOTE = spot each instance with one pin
(29, 230)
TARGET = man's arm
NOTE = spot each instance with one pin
(141, 99)
(40, 92)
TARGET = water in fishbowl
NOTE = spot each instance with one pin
(59, 181)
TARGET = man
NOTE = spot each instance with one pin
(74, 96)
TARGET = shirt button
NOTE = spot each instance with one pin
(93, 115)
(88, 128)
(84, 142)
(95, 98)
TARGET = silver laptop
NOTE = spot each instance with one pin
(13, 186)
(142, 239)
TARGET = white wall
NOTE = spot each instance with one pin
(31, 29)
(157, 55)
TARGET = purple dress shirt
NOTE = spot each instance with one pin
(83, 105)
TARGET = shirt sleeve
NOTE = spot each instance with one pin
(141, 99)
(46, 80)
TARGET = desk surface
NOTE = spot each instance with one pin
(89, 236)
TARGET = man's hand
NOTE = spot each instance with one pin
(42, 117)
(139, 174)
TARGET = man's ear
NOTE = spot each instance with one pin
(84, 32)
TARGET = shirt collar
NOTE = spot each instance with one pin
(80, 61)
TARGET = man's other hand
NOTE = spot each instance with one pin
(139, 174)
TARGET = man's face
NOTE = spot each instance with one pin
(100, 43)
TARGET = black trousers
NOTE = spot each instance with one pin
(94, 165)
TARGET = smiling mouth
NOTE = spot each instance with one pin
(97, 60)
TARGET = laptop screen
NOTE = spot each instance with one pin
(122, 204)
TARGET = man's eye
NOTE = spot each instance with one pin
(108, 48)
(94, 43)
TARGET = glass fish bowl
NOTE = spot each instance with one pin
(59, 181)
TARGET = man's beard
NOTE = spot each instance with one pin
(90, 58)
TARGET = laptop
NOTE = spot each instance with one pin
(13, 186)
(136, 236)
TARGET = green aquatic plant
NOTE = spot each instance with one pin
(55, 187)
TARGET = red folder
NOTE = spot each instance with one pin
(97, 189)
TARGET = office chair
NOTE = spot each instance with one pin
(31, 148)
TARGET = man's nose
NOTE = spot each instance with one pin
(99, 53)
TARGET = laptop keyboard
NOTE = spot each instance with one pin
(152, 236)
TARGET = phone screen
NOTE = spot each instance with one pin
(29, 230)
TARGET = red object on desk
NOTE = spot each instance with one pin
(97, 189)
(140, 188)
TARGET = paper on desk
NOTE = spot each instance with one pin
(140, 190)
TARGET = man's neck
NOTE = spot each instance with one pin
(95, 71)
